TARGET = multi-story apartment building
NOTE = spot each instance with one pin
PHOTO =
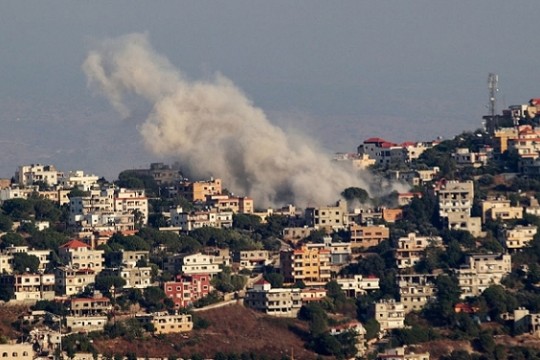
(88, 314)
(410, 249)
(238, 205)
(310, 264)
(360, 332)
(500, 209)
(78, 255)
(358, 285)
(416, 290)
(6, 263)
(163, 174)
(482, 271)
(199, 190)
(70, 281)
(190, 220)
(465, 157)
(253, 260)
(30, 174)
(130, 201)
(389, 314)
(29, 288)
(17, 351)
(136, 277)
(165, 323)
(519, 237)
(328, 217)
(78, 179)
(187, 289)
(42, 255)
(295, 234)
(276, 302)
(199, 264)
(364, 237)
(455, 197)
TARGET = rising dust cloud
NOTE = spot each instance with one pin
(212, 128)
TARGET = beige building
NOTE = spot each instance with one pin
(358, 329)
(328, 217)
(199, 190)
(455, 196)
(410, 249)
(363, 237)
(482, 271)
(295, 234)
(416, 290)
(279, 302)
(237, 205)
(14, 351)
(199, 264)
(390, 314)
(6, 263)
(30, 174)
(310, 264)
(71, 281)
(500, 209)
(519, 237)
(463, 221)
(402, 353)
(130, 201)
(30, 288)
(136, 277)
(42, 255)
(165, 323)
(79, 255)
(253, 260)
(358, 284)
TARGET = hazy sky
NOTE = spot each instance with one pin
(339, 71)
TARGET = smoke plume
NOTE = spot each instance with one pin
(212, 128)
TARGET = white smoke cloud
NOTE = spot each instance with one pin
(212, 128)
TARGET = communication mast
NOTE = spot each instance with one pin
(493, 80)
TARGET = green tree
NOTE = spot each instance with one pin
(355, 194)
(22, 262)
(5, 223)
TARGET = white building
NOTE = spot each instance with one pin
(390, 314)
(358, 285)
(78, 179)
(30, 174)
(482, 271)
(519, 237)
(199, 264)
(79, 255)
(279, 302)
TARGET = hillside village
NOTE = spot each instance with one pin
(448, 269)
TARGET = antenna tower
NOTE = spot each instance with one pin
(493, 80)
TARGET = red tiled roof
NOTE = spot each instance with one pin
(74, 244)
(262, 282)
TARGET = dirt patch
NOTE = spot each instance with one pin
(438, 348)
(233, 329)
(8, 315)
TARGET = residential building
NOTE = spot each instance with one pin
(253, 260)
(79, 255)
(228, 203)
(355, 327)
(136, 277)
(295, 234)
(163, 174)
(199, 190)
(382, 151)
(340, 252)
(165, 323)
(310, 264)
(187, 289)
(190, 220)
(519, 237)
(312, 294)
(88, 314)
(455, 196)
(482, 271)
(358, 285)
(79, 180)
(500, 209)
(30, 174)
(402, 353)
(29, 288)
(130, 201)
(6, 263)
(42, 255)
(279, 302)
(199, 264)
(465, 157)
(364, 237)
(389, 314)
(327, 217)
(416, 290)
(70, 281)
(410, 249)
(14, 351)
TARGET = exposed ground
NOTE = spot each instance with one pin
(233, 329)
(8, 315)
